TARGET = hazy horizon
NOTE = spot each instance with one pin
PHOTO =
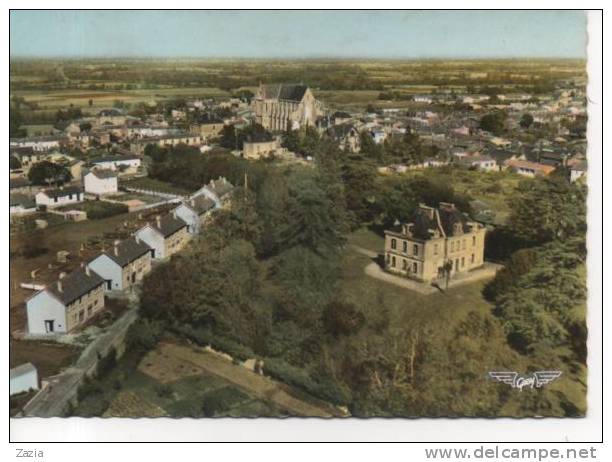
(297, 35)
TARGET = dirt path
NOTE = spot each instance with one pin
(257, 385)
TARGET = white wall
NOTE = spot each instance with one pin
(153, 239)
(100, 186)
(43, 199)
(44, 306)
(188, 216)
(108, 269)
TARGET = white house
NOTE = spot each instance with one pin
(578, 170)
(166, 235)
(124, 265)
(124, 163)
(60, 196)
(23, 378)
(194, 211)
(38, 143)
(65, 305)
(101, 182)
(218, 191)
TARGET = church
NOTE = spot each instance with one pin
(286, 106)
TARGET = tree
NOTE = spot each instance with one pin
(14, 163)
(15, 121)
(526, 120)
(47, 173)
(494, 122)
(342, 318)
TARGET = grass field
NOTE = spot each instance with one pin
(163, 385)
(153, 185)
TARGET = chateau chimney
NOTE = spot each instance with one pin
(62, 275)
(158, 221)
(174, 214)
(87, 270)
(59, 286)
(116, 247)
(137, 239)
(192, 201)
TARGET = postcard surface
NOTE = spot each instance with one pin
(356, 214)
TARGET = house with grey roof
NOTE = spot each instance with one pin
(195, 211)
(166, 235)
(124, 265)
(21, 204)
(219, 191)
(64, 306)
(60, 196)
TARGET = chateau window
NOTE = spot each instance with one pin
(404, 264)
(473, 241)
(415, 267)
(415, 249)
(405, 247)
(393, 262)
(462, 262)
(472, 258)
(435, 249)
(452, 246)
(463, 244)
(393, 244)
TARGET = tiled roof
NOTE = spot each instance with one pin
(75, 285)
(23, 200)
(200, 204)
(220, 187)
(168, 225)
(127, 251)
(104, 174)
(22, 370)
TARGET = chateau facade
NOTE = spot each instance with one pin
(286, 106)
(433, 239)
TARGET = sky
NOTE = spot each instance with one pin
(298, 34)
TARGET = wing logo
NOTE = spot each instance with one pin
(535, 379)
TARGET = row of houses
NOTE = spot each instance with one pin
(69, 303)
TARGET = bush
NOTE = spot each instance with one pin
(143, 335)
(222, 400)
(203, 336)
(107, 363)
(98, 209)
(326, 389)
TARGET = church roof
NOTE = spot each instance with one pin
(284, 91)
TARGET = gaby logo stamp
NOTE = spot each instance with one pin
(535, 379)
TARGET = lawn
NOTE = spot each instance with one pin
(97, 210)
(136, 388)
(406, 307)
(50, 358)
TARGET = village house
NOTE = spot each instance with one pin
(122, 164)
(66, 305)
(101, 182)
(578, 170)
(340, 118)
(285, 106)
(166, 235)
(23, 378)
(479, 162)
(60, 196)
(37, 143)
(139, 146)
(194, 212)
(528, 168)
(20, 185)
(434, 239)
(347, 137)
(219, 191)
(259, 149)
(207, 127)
(124, 265)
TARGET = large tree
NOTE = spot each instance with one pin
(47, 173)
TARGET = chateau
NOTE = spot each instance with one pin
(285, 106)
(432, 239)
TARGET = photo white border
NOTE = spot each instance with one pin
(416, 430)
